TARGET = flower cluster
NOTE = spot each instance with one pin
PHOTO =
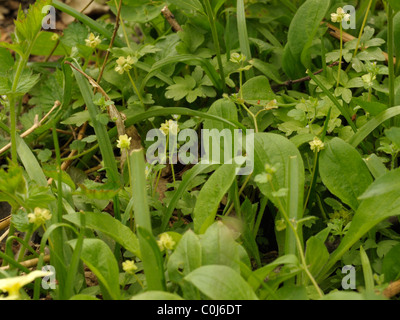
(39, 216)
(316, 145)
(125, 64)
(124, 142)
(92, 41)
(169, 126)
(129, 266)
(237, 58)
(165, 242)
(340, 15)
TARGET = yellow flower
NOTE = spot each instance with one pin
(165, 242)
(124, 142)
(125, 64)
(316, 145)
(340, 15)
(129, 266)
(170, 126)
(39, 216)
(92, 41)
(14, 284)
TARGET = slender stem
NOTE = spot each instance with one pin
(211, 19)
(130, 179)
(362, 28)
(340, 55)
(252, 115)
(298, 243)
(135, 88)
(390, 42)
(312, 180)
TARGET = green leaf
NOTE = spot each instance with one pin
(344, 172)
(275, 150)
(221, 283)
(302, 31)
(219, 247)
(96, 190)
(394, 135)
(6, 60)
(380, 201)
(256, 89)
(185, 258)
(192, 5)
(137, 11)
(211, 195)
(110, 226)
(153, 263)
(78, 118)
(391, 264)
(394, 4)
(182, 88)
(28, 25)
(101, 261)
(374, 108)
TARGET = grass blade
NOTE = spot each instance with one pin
(243, 36)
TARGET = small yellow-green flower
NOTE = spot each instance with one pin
(54, 37)
(169, 126)
(39, 216)
(237, 58)
(165, 242)
(14, 284)
(129, 266)
(124, 142)
(340, 15)
(368, 79)
(125, 64)
(92, 41)
(316, 145)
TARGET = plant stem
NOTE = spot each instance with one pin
(136, 89)
(340, 55)
(211, 19)
(298, 243)
(390, 42)
(362, 28)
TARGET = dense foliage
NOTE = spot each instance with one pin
(321, 98)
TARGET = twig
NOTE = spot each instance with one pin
(36, 125)
(392, 290)
(308, 78)
(5, 223)
(30, 263)
(168, 15)
(335, 32)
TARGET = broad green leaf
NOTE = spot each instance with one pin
(344, 172)
(256, 90)
(137, 11)
(211, 195)
(101, 261)
(185, 258)
(374, 108)
(302, 31)
(316, 255)
(109, 226)
(222, 108)
(267, 69)
(380, 201)
(275, 150)
(221, 283)
(391, 264)
(6, 60)
(156, 295)
(219, 247)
